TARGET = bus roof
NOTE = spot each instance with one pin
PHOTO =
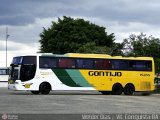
(85, 55)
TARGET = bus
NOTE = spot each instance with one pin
(4, 73)
(107, 74)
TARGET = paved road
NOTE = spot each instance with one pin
(76, 102)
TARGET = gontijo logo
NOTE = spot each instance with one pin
(104, 73)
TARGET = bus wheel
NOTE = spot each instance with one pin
(45, 88)
(117, 89)
(105, 92)
(35, 92)
(129, 89)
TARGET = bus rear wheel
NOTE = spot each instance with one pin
(35, 92)
(117, 89)
(129, 89)
(45, 88)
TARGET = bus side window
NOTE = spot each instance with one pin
(115, 64)
(84, 63)
(140, 65)
(47, 62)
(148, 65)
(131, 63)
(123, 65)
(66, 63)
(62, 63)
(71, 63)
(79, 63)
(88, 64)
(106, 64)
(99, 64)
(119, 65)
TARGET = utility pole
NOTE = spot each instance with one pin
(7, 35)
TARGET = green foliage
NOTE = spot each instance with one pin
(117, 49)
(141, 45)
(91, 47)
(69, 35)
(157, 65)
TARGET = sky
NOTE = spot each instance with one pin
(25, 20)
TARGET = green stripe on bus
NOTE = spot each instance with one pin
(78, 78)
(65, 78)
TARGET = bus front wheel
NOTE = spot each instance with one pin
(129, 89)
(45, 88)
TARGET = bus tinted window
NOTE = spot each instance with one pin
(140, 65)
(148, 65)
(66, 63)
(88, 64)
(99, 64)
(102, 64)
(119, 64)
(47, 62)
(29, 60)
(79, 63)
(84, 63)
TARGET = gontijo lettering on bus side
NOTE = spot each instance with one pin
(104, 73)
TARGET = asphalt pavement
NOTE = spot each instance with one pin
(24, 102)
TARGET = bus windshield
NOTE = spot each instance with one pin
(25, 65)
(17, 60)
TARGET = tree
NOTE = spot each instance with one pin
(69, 35)
(117, 49)
(91, 47)
(141, 45)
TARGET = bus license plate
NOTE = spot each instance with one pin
(27, 85)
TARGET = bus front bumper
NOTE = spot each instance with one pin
(15, 87)
(18, 85)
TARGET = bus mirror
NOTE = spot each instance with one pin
(13, 65)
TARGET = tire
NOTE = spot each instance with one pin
(117, 89)
(105, 92)
(35, 92)
(45, 88)
(129, 89)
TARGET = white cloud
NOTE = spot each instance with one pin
(26, 19)
(18, 49)
(123, 30)
(23, 40)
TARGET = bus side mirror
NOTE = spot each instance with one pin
(13, 65)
